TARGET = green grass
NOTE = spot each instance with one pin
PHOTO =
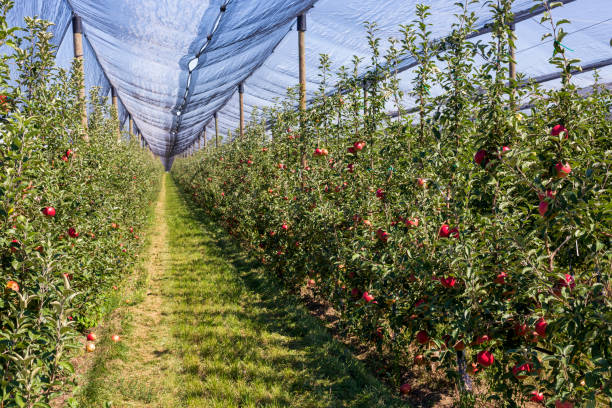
(241, 341)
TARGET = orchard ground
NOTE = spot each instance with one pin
(203, 328)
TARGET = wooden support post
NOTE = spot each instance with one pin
(204, 137)
(512, 67)
(365, 98)
(241, 95)
(216, 130)
(115, 101)
(131, 126)
(301, 27)
(512, 54)
(77, 32)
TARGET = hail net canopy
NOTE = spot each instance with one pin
(175, 63)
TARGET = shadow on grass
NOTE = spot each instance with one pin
(335, 377)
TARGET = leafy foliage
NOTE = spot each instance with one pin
(483, 221)
(60, 197)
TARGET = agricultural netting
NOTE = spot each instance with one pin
(471, 234)
(446, 189)
(177, 63)
(73, 203)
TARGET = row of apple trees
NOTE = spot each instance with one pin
(470, 234)
(71, 212)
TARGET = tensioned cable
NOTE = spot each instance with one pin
(573, 32)
(179, 110)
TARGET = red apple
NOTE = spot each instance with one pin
(382, 235)
(543, 208)
(500, 279)
(91, 336)
(317, 152)
(564, 404)
(311, 282)
(284, 226)
(380, 193)
(454, 232)
(444, 231)
(548, 194)
(419, 359)
(472, 369)
(422, 337)
(480, 157)
(448, 282)
(567, 282)
(540, 327)
(115, 338)
(536, 396)
(72, 232)
(485, 358)
(355, 292)
(324, 152)
(15, 244)
(12, 285)
(405, 389)
(49, 211)
(422, 182)
(367, 297)
(90, 347)
(482, 339)
(563, 170)
(557, 129)
(359, 145)
(520, 329)
(412, 223)
(521, 371)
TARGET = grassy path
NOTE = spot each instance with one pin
(204, 330)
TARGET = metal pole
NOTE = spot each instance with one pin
(77, 32)
(204, 137)
(216, 130)
(241, 94)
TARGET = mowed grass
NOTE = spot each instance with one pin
(225, 337)
(243, 341)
